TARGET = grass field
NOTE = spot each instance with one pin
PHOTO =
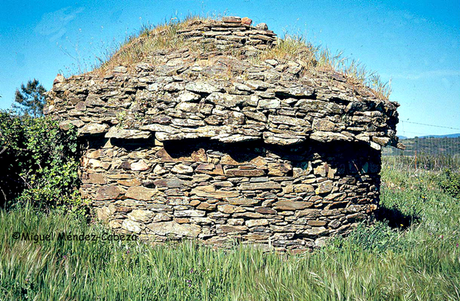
(417, 260)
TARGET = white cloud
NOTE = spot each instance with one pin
(54, 23)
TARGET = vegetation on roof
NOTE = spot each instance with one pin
(164, 37)
(137, 48)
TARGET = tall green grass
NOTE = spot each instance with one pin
(375, 262)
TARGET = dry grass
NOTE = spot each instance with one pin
(165, 37)
(295, 48)
(138, 48)
(292, 49)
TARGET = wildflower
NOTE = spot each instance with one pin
(191, 271)
(457, 245)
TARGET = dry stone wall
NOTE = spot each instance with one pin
(205, 143)
(290, 197)
(230, 33)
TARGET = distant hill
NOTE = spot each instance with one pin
(448, 145)
(433, 136)
(443, 136)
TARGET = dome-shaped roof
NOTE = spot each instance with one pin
(223, 80)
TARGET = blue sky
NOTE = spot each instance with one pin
(416, 44)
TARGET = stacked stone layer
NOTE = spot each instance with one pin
(314, 136)
(288, 196)
(230, 32)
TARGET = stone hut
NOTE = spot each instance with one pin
(212, 140)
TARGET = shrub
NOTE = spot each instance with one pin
(450, 183)
(40, 161)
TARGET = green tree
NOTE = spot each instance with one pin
(30, 99)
